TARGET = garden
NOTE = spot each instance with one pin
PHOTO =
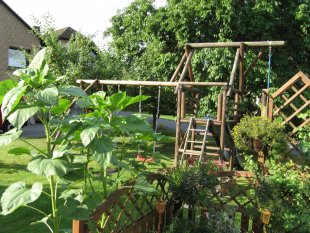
(86, 169)
(236, 158)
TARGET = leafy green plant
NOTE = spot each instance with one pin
(285, 192)
(84, 139)
(303, 134)
(257, 133)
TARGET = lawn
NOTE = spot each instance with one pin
(14, 168)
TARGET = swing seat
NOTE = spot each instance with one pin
(146, 160)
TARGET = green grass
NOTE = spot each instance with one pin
(14, 168)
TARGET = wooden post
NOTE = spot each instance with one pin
(241, 68)
(78, 226)
(178, 127)
(223, 123)
(183, 104)
(270, 108)
(196, 104)
(233, 72)
(219, 106)
(265, 99)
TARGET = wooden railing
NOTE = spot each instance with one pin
(129, 211)
(288, 101)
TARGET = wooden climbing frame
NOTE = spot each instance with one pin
(229, 101)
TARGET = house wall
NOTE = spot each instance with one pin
(13, 33)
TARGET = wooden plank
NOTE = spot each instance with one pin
(270, 108)
(153, 83)
(304, 78)
(301, 96)
(183, 104)
(306, 122)
(287, 85)
(237, 44)
(288, 101)
(296, 112)
(178, 68)
(233, 72)
(285, 117)
(78, 226)
(196, 104)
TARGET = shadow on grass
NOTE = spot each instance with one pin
(12, 168)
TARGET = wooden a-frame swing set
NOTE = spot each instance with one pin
(195, 143)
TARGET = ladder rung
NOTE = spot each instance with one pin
(198, 130)
(212, 148)
(196, 141)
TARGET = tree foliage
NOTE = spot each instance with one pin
(148, 41)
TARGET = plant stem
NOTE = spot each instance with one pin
(54, 208)
(34, 208)
(33, 146)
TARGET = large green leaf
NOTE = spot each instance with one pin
(144, 186)
(71, 91)
(88, 134)
(73, 209)
(38, 62)
(9, 136)
(48, 167)
(84, 102)
(18, 195)
(101, 145)
(49, 95)
(61, 107)
(21, 115)
(136, 124)
(20, 151)
(5, 86)
(11, 99)
(103, 159)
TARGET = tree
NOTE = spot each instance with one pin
(80, 58)
(148, 41)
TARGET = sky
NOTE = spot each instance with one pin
(90, 17)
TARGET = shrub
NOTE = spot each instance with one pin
(255, 129)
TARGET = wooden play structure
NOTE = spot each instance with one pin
(205, 139)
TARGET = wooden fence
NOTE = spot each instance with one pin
(128, 211)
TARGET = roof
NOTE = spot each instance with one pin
(15, 14)
(65, 33)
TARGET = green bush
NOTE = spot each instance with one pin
(269, 134)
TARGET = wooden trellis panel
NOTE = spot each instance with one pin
(292, 98)
(127, 210)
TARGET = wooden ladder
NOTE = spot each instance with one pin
(191, 138)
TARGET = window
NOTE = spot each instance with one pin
(17, 58)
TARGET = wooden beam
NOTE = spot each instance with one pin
(237, 44)
(287, 85)
(178, 128)
(189, 67)
(152, 83)
(233, 72)
(241, 67)
(259, 56)
(178, 68)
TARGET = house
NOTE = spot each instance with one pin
(15, 36)
(65, 34)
